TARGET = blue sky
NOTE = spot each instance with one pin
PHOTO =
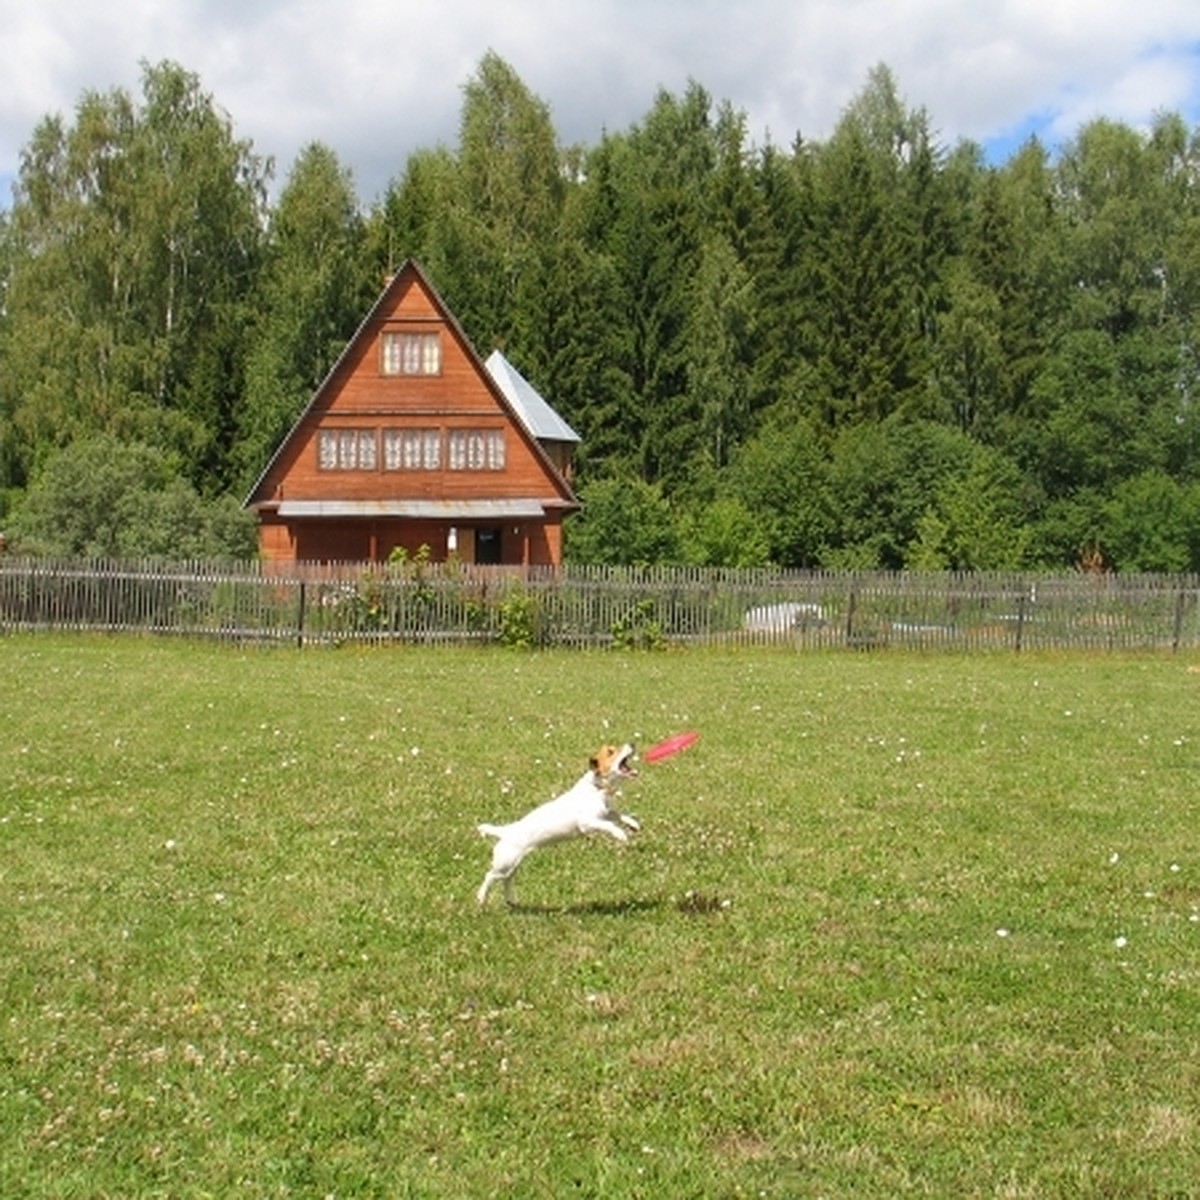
(377, 79)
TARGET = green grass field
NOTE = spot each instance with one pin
(896, 925)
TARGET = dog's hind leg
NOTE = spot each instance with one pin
(504, 865)
(491, 879)
(485, 887)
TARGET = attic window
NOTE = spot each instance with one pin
(411, 354)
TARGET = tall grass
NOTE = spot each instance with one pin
(897, 924)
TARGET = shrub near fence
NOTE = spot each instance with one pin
(592, 606)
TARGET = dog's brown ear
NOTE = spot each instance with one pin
(594, 763)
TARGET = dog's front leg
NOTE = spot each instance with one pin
(605, 825)
(632, 822)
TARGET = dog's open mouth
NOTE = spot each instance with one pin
(625, 765)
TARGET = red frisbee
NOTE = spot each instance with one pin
(669, 746)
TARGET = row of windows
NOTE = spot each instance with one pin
(411, 449)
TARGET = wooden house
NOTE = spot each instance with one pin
(412, 441)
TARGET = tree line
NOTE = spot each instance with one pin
(871, 351)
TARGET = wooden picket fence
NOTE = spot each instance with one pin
(601, 606)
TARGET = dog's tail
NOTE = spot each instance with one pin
(492, 831)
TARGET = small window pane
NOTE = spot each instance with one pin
(391, 449)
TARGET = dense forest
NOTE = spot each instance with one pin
(870, 351)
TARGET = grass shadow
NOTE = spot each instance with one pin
(591, 908)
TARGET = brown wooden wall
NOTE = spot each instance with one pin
(528, 543)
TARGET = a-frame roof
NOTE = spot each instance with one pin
(530, 414)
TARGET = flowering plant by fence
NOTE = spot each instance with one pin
(625, 607)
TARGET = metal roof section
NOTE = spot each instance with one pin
(433, 510)
(539, 419)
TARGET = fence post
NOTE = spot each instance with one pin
(300, 617)
(850, 605)
(1177, 632)
(1022, 600)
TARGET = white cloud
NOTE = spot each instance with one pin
(376, 79)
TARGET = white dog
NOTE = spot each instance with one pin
(588, 807)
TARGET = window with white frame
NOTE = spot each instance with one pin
(410, 354)
(347, 449)
(476, 450)
(412, 449)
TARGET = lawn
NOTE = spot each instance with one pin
(897, 924)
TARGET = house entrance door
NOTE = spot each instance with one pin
(487, 546)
